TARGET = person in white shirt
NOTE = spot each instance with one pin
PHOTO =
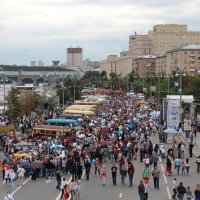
(174, 187)
(77, 190)
(7, 176)
(146, 190)
(72, 188)
(8, 196)
(63, 183)
(12, 178)
(20, 173)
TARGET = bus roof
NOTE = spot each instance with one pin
(51, 128)
(61, 120)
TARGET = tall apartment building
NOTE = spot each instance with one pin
(140, 45)
(74, 57)
(166, 37)
(145, 66)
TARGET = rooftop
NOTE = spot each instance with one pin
(191, 46)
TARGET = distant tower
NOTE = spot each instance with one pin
(40, 63)
(33, 63)
(74, 57)
(55, 63)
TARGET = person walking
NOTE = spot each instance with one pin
(58, 179)
(7, 176)
(156, 177)
(123, 173)
(177, 165)
(197, 192)
(146, 190)
(72, 187)
(146, 174)
(65, 193)
(103, 175)
(114, 173)
(141, 190)
(181, 191)
(198, 164)
(79, 170)
(8, 196)
(187, 166)
(189, 193)
(63, 183)
(12, 178)
(77, 190)
(174, 188)
(131, 171)
(191, 146)
(20, 172)
(87, 168)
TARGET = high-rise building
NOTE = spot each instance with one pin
(166, 37)
(74, 57)
(40, 63)
(33, 63)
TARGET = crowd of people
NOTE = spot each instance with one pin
(121, 134)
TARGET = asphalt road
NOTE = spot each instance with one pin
(93, 189)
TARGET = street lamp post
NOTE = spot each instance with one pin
(180, 74)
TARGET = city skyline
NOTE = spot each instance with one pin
(44, 29)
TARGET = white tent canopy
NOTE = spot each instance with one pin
(185, 98)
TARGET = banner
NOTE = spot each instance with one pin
(173, 114)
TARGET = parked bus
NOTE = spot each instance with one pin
(44, 131)
(77, 117)
(70, 123)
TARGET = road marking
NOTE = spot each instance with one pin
(162, 168)
(165, 179)
(168, 193)
(120, 195)
(19, 187)
(48, 181)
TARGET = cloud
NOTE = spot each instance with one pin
(101, 26)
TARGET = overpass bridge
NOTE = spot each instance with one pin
(34, 75)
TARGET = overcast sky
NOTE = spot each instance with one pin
(43, 29)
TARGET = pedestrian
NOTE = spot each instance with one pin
(72, 187)
(123, 173)
(198, 164)
(77, 190)
(131, 171)
(168, 167)
(146, 174)
(79, 170)
(174, 187)
(65, 193)
(187, 166)
(63, 183)
(87, 168)
(114, 173)
(12, 178)
(189, 193)
(58, 179)
(177, 165)
(156, 177)
(8, 196)
(183, 168)
(191, 146)
(7, 176)
(181, 191)
(197, 192)
(20, 175)
(141, 190)
(103, 175)
(97, 166)
(146, 190)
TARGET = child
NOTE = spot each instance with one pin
(183, 168)
(77, 190)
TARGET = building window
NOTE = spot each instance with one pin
(192, 52)
(185, 52)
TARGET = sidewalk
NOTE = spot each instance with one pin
(196, 141)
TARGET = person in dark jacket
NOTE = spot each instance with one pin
(131, 171)
(87, 168)
(181, 191)
(58, 178)
(141, 190)
(79, 170)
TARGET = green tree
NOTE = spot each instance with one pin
(30, 101)
(13, 104)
